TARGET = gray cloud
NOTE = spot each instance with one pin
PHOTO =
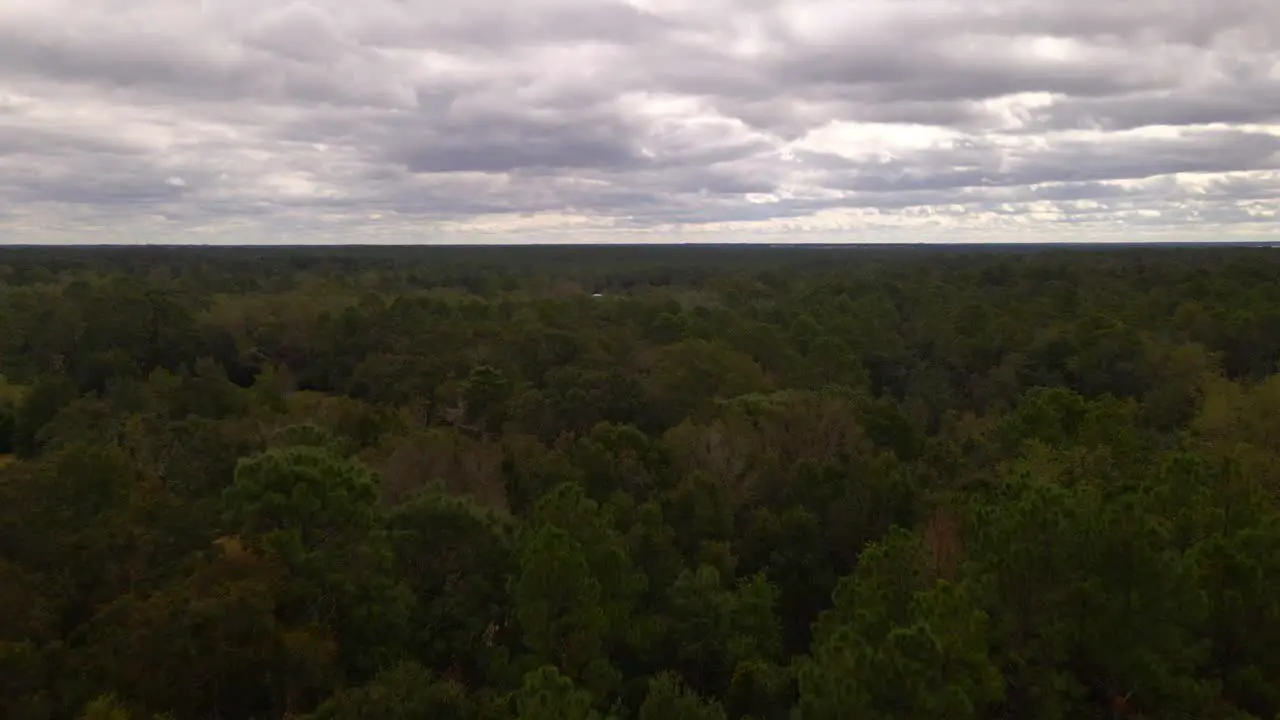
(1256, 102)
(492, 142)
(488, 25)
(411, 119)
(1066, 161)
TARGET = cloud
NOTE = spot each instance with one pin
(598, 120)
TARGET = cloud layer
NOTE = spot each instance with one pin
(595, 120)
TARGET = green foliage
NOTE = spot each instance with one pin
(485, 393)
(454, 557)
(40, 404)
(406, 691)
(576, 589)
(317, 514)
(668, 698)
(715, 629)
(304, 435)
(548, 695)
(897, 645)
(106, 707)
(741, 483)
(301, 501)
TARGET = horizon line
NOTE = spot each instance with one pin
(651, 243)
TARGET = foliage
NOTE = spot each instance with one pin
(739, 483)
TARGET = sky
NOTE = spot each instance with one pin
(479, 121)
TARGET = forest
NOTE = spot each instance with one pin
(639, 483)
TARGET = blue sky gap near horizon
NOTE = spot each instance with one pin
(401, 121)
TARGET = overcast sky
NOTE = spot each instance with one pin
(216, 121)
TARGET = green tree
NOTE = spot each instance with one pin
(575, 588)
(548, 695)
(669, 698)
(453, 557)
(485, 393)
(898, 645)
(405, 691)
(40, 404)
(318, 514)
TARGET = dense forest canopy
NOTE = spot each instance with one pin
(651, 483)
